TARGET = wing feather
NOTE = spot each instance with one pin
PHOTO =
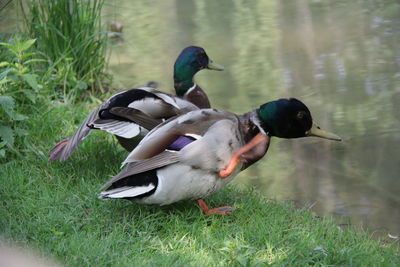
(124, 129)
(163, 159)
(195, 122)
(65, 148)
(136, 116)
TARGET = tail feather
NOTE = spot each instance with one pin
(127, 191)
(63, 149)
(55, 152)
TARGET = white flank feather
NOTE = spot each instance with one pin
(127, 191)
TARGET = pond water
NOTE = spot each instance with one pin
(342, 58)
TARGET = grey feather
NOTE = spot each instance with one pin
(124, 129)
(163, 159)
(158, 139)
(136, 116)
(65, 148)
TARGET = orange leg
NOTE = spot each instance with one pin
(235, 159)
(220, 211)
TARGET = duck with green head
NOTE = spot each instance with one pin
(146, 105)
(196, 154)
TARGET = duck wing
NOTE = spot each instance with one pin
(142, 107)
(210, 149)
(63, 149)
(194, 123)
(136, 116)
(163, 159)
(150, 107)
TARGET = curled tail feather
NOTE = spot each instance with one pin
(63, 149)
(55, 152)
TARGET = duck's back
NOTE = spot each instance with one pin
(195, 174)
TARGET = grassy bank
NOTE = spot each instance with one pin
(54, 207)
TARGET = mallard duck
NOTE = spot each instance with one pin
(195, 154)
(149, 105)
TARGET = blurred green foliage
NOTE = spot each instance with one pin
(19, 87)
(60, 53)
(69, 35)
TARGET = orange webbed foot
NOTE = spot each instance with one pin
(235, 159)
(225, 210)
(229, 169)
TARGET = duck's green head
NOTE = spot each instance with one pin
(290, 118)
(191, 60)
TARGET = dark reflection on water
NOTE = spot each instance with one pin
(342, 58)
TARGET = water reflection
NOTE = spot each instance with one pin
(341, 58)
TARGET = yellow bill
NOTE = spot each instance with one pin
(318, 132)
(214, 66)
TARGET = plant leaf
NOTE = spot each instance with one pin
(4, 80)
(19, 117)
(7, 134)
(26, 55)
(5, 73)
(2, 153)
(4, 64)
(31, 80)
(81, 85)
(34, 60)
(26, 44)
(20, 131)
(10, 47)
(31, 96)
(7, 103)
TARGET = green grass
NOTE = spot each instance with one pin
(54, 207)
